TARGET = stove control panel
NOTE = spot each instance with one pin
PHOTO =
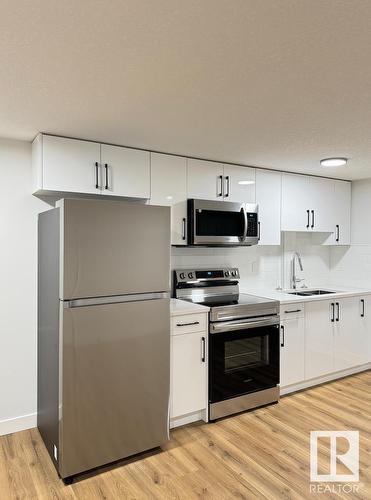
(194, 275)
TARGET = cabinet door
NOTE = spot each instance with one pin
(126, 172)
(239, 184)
(319, 339)
(204, 180)
(70, 165)
(364, 315)
(295, 202)
(188, 373)
(268, 197)
(321, 195)
(292, 351)
(169, 187)
(343, 195)
(351, 334)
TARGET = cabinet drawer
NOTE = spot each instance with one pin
(189, 323)
(292, 311)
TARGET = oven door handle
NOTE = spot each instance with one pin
(227, 326)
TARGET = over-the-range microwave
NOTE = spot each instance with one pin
(222, 223)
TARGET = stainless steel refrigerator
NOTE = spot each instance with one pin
(103, 331)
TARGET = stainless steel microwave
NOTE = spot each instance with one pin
(222, 223)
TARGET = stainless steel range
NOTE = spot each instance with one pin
(244, 340)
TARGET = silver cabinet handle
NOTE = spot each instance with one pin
(188, 324)
(333, 312)
(283, 336)
(337, 233)
(293, 311)
(363, 308)
(308, 217)
(337, 311)
(312, 226)
(220, 192)
(184, 220)
(227, 186)
(203, 349)
(259, 231)
(106, 173)
(96, 175)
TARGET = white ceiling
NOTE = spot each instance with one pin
(274, 83)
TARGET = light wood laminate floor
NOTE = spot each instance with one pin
(260, 454)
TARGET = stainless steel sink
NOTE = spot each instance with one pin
(309, 293)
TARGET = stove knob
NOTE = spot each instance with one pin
(182, 276)
(190, 275)
(226, 274)
(234, 273)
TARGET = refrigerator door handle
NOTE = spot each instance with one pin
(116, 299)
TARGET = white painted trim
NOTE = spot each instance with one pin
(188, 419)
(18, 424)
(321, 380)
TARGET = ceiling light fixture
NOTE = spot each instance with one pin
(333, 162)
(246, 183)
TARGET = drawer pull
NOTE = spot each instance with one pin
(293, 311)
(188, 324)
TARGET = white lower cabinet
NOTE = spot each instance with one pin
(351, 332)
(188, 369)
(337, 335)
(319, 338)
(292, 346)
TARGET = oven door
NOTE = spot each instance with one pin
(244, 357)
(220, 223)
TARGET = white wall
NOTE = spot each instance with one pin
(18, 218)
(351, 266)
(263, 268)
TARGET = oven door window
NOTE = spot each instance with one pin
(246, 353)
(219, 223)
(243, 361)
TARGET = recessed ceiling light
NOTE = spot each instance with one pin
(246, 183)
(333, 162)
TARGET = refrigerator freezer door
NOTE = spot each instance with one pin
(115, 389)
(114, 248)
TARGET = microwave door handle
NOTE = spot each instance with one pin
(245, 223)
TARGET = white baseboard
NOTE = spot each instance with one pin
(321, 380)
(18, 424)
(188, 419)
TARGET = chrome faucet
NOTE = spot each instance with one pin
(294, 279)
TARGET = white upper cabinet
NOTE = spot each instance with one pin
(69, 165)
(295, 203)
(316, 204)
(321, 191)
(169, 187)
(340, 206)
(125, 171)
(204, 180)
(209, 180)
(268, 197)
(239, 184)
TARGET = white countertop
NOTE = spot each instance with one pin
(285, 298)
(180, 307)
